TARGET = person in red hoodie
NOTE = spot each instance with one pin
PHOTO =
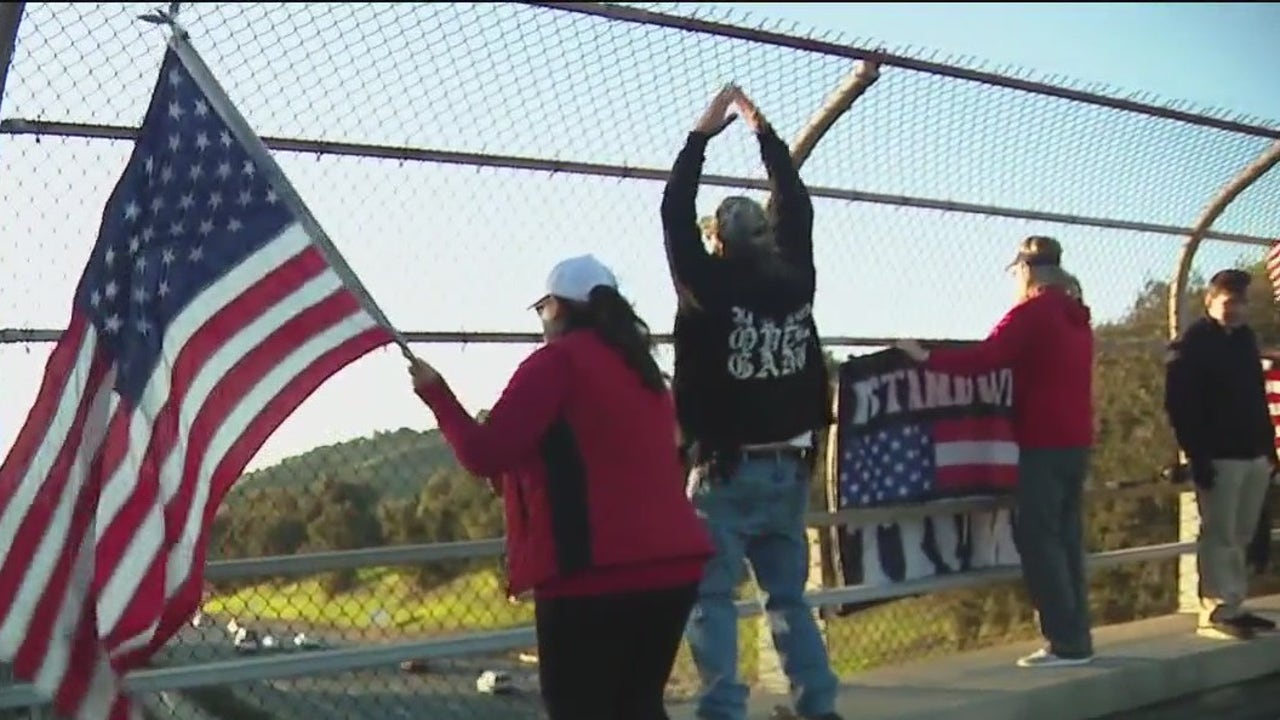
(583, 444)
(1047, 340)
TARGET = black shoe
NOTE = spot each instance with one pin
(1254, 622)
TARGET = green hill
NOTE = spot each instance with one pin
(393, 464)
(398, 487)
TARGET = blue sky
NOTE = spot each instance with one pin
(446, 247)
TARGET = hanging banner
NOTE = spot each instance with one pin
(908, 436)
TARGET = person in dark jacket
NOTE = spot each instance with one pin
(583, 443)
(1047, 340)
(751, 391)
(1215, 397)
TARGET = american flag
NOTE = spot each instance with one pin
(1272, 261)
(1272, 375)
(918, 462)
(205, 315)
(912, 457)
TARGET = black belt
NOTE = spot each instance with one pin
(694, 456)
(721, 465)
(778, 452)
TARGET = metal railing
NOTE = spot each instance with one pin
(319, 562)
(334, 661)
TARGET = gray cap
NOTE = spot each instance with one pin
(740, 219)
(1038, 250)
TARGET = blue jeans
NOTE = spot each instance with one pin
(758, 515)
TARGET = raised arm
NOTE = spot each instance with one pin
(791, 207)
(687, 259)
(515, 426)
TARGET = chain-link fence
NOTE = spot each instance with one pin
(455, 150)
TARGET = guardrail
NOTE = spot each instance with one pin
(340, 660)
(313, 563)
(331, 662)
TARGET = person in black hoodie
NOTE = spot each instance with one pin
(1215, 397)
(751, 391)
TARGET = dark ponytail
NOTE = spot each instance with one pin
(613, 318)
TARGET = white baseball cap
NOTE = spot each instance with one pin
(574, 278)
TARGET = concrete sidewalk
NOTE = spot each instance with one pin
(1138, 664)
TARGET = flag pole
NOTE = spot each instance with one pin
(180, 43)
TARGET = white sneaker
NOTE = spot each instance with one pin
(1044, 658)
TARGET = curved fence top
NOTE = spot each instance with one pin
(538, 82)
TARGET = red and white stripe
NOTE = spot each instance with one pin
(1272, 262)
(975, 452)
(1273, 399)
(106, 507)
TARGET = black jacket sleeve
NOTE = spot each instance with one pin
(1185, 392)
(792, 207)
(687, 258)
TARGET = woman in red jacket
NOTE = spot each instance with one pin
(583, 441)
(1047, 340)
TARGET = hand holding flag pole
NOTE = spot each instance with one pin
(179, 41)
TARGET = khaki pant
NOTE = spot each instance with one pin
(1229, 514)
